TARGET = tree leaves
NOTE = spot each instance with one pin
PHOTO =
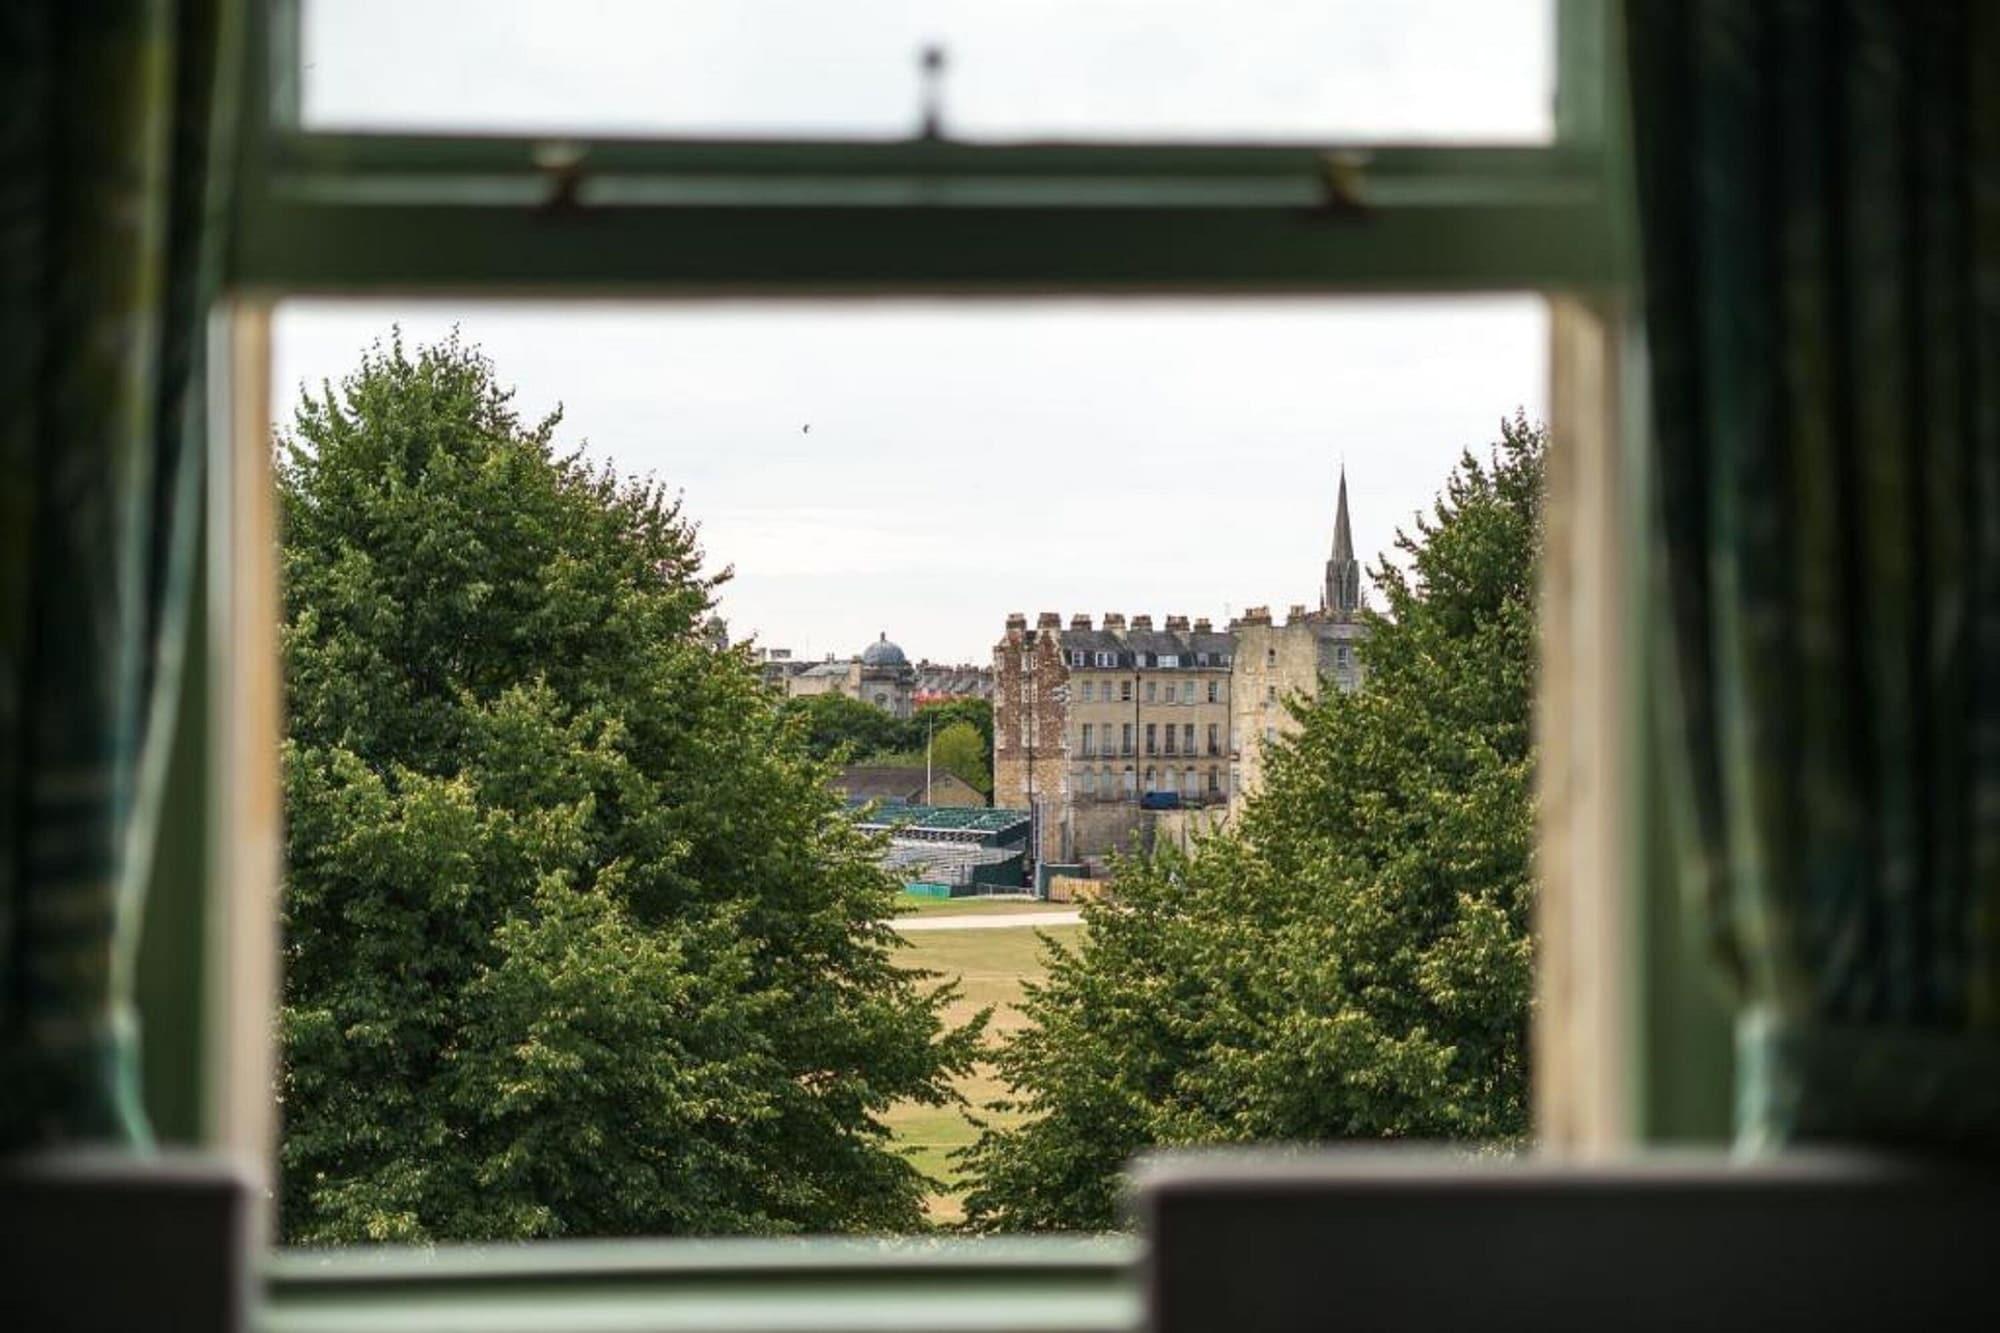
(1353, 960)
(576, 940)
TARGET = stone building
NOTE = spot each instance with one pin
(1276, 661)
(1106, 731)
(879, 674)
(940, 681)
(1090, 721)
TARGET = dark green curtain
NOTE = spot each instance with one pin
(1819, 199)
(111, 113)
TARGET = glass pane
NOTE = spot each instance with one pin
(1461, 70)
(1042, 596)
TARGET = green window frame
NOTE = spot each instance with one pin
(415, 215)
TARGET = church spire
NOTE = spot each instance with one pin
(1342, 597)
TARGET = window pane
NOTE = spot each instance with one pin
(578, 936)
(1462, 70)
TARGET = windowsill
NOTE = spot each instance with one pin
(1085, 1284)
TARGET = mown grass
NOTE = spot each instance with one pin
(908, 905)
(990, 966)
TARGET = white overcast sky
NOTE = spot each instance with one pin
(970, 459)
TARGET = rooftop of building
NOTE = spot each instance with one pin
(888, 781)
(883, 653)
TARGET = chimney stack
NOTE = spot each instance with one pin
(1142, 623)
(1048, 620)
(1080, 624)
(1297, 614)
(1202, 626)
(1017, 620)
(1114, 620)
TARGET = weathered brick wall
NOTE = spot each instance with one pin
(1030, 729)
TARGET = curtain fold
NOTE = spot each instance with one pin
(112, 117)
(1819, 200)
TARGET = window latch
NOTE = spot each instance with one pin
(560, 164)
(1343, 181)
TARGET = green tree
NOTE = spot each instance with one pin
(847, 730)
(1353, 960)
(958, 749)
(576, 941)
(941, 713)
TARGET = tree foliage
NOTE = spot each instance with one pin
(1352, 961)
(576, 939)
(846, 730)
(975, 712)
(957, 748)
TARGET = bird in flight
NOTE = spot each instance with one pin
(806, 429)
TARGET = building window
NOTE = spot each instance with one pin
(1187, 738)
(1131, 784)
(1340, 655)
(1213, 782)
(1214, 738)
(1270, 694)
(1125, 739)
(1170, 659)
(881, 701)
(1152, 691)
(1170, 739)
(1189, 785)
(1076, 657)
(1125, 691)
(1201, 659)
(1088, 731)
(1270, 734)
(1152, 745)
(1270, 657)
(1213, 691)
(1089, 783)
(1187, 691)
(1088, 691)
(1152, 778)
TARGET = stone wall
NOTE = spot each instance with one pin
(1030, 740)
(1275, 661)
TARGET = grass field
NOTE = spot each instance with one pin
(990, 966)
(909, 906)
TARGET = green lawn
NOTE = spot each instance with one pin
(908, 905)
(990, 966)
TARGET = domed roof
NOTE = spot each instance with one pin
(882, 653)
